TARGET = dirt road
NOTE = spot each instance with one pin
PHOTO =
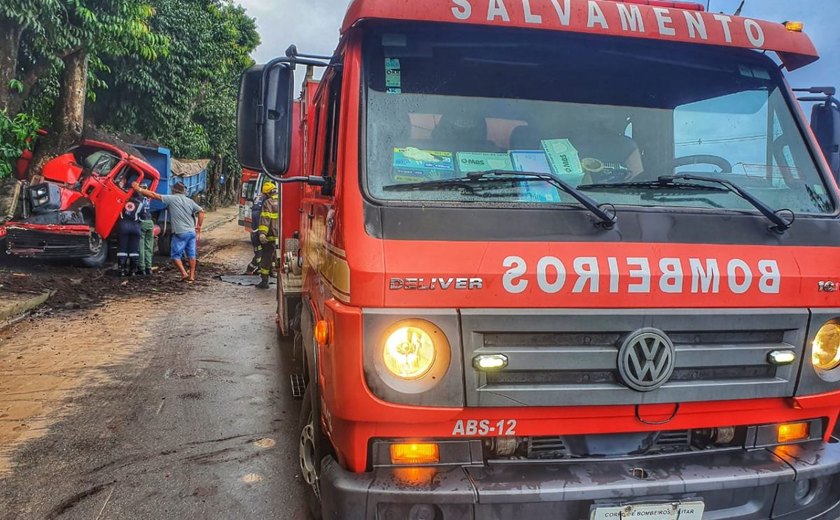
(154, 406)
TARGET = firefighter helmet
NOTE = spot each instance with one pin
(268, 187)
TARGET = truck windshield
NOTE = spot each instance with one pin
(591, 111)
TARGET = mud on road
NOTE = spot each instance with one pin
(75, 287)
(166, 401)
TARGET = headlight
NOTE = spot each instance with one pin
(825, 351)
(411, 348)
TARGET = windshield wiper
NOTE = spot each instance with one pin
(475, 180)
(673, 182)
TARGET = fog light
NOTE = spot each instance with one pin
(422, 512)
(415, 453)
(724, 435)
(793, 432)
(803, 489)
(490, 361)
(781, 357)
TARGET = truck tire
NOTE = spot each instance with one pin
(312, 447)
(98, 260)
(165, 243)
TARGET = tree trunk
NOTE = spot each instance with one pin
(214, 177)
(69, 117)
(10, 34)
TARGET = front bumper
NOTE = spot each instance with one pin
(735, 485)
(49, 241)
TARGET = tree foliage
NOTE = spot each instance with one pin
(188, 97)
(166, 70)
(16, 135)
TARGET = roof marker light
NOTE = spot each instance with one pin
(795, 26)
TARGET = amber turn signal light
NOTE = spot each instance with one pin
(322, 332)
(415, 453)
(793, 432)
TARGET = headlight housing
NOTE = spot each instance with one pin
(825, 349)
(409, 351)
(412, 356)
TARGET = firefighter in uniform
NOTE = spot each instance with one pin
(256, 209)
(268, 231)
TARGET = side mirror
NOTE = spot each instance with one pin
(247, 138)
(264, 118)
(825, 121)
(278, 83)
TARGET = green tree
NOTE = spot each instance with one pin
(188, 97)
(92, 31)
(16, 135)
(20, 19)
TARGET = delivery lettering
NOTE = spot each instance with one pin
(641, 275)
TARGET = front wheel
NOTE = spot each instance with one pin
(311, 451)
(99, 258)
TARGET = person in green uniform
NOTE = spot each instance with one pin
(147, 239)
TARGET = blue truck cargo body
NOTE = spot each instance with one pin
(161, 159)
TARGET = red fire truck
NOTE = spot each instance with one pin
(250, 180)
(570, 259)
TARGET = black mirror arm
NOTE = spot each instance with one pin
(311, 180)
(292, 62)
(292, 52)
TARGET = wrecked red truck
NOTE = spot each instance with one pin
(71, 210)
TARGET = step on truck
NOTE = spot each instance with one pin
(567, 259)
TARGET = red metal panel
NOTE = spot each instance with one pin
(605, 17)
(291, 193)
(356, 415)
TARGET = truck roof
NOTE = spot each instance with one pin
(649, 19)
(135, 160)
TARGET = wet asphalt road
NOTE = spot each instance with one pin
(198, 422)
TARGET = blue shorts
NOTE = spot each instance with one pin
(183, 242)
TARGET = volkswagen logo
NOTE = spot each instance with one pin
(646, 360)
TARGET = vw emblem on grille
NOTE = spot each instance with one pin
(646, 359)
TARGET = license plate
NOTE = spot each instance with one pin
(669, 511)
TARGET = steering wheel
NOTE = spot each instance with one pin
(720, 162)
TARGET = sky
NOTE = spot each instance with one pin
(313, 26)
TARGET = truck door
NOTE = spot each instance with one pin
(109, 200)
(320, 221)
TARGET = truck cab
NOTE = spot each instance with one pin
(560, 259)
(248, 192)
(72, 211)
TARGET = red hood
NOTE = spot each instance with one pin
(63, 169)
